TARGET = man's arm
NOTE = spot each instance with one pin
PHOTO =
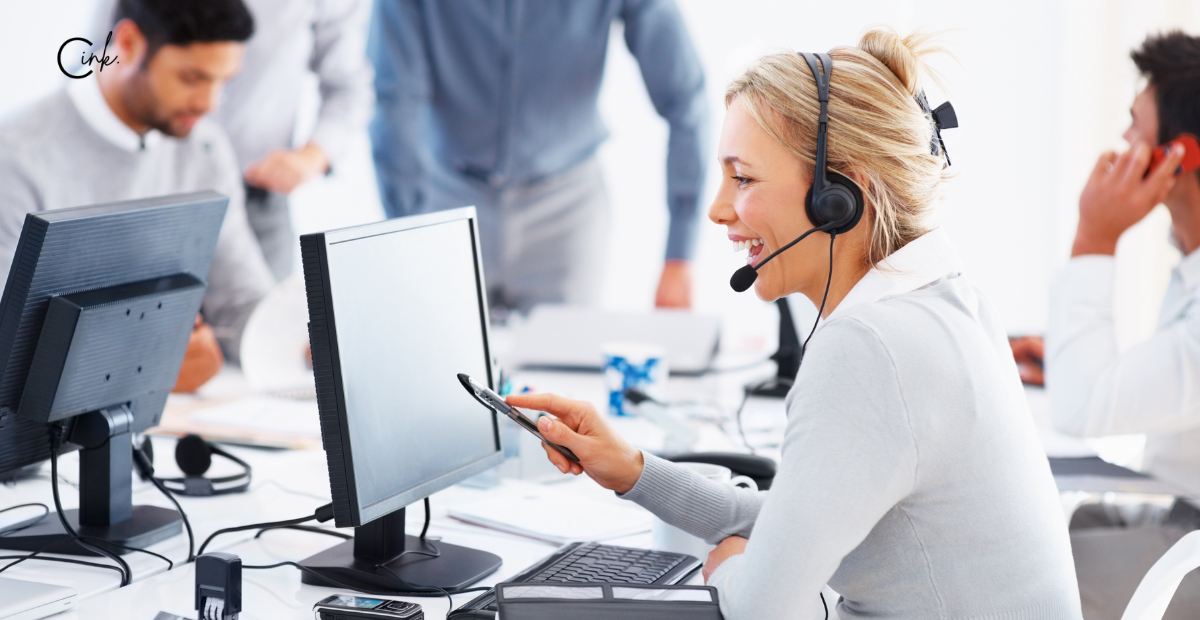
(238, 278)
(340, 62)
(19, 196)
(396, 47)
(658, 38)
(1095, 390)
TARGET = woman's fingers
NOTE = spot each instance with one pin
(557, 459)
(571, 412)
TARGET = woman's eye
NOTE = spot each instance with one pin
(741, 181)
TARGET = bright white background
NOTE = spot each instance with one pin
(1041, 88)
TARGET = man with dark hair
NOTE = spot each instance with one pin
(1096, 390)
(135, 129)
(292, 39)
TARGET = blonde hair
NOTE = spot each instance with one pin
(877, 130)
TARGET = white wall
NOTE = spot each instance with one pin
(1041, 88)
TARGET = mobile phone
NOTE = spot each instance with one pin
(493, 401)
(1191, 155)
(340, 606)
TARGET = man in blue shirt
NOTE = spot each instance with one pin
(493, 103)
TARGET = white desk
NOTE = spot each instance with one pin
(292, 483)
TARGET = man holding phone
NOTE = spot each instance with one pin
(1096, 390)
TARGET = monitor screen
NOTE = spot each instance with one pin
(409, 315)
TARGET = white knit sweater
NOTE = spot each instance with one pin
(912, 480)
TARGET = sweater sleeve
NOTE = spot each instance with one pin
(693, 503)
(238, 278)
(849, 456)
(1097, 390)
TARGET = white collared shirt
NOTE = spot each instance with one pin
(1153, 388)
(922, 262)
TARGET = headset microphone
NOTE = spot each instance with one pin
(744, 277)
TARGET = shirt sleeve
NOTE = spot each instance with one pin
(396, 46)
(339, 59)
(19, 197)
(657, 36)
(239, 277)
(699, 506)
(1094, 389)
(849, 456)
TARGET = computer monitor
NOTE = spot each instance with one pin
(94, 321)
(396, 310)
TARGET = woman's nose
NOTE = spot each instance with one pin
(721, 210)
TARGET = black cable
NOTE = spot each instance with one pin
(305, 528)
(738, 415)
(33, 556)
(22, 558)
(324, 513)
(821, 311)
(425, 528)
(20, 526)
(55, 441)
(187, 525)
(823, 604)
(170, 564)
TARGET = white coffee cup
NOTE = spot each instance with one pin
(670, 538)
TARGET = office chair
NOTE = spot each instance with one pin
(1158, 587)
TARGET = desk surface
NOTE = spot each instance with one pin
(291, 483)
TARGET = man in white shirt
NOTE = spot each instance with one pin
(1096, 390)
(260, 106)
(138, 128)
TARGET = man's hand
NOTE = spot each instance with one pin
(675, 285)
(202, 361)
(603, 455)
(283, 170)
(1029, 351)
(734, 545)
(1118, 195)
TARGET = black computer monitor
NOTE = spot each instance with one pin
(94, 321)
(396, 310)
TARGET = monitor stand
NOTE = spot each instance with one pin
(106, 511)
(787, 357)
(354, 562)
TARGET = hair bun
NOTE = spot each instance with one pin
(902, 55)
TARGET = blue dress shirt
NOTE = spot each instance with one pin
(505, 91)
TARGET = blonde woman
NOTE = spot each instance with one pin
(912, 481)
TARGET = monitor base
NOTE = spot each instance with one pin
(149, 525)
(775, 387)
(457, 567)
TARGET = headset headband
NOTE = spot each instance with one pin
(821, 75)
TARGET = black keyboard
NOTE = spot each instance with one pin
(593, 563)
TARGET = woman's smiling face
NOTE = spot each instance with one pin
(761, 204)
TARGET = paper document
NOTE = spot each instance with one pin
(555, 515)
(265, 413)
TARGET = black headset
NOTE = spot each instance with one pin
(833, 199)
(193, 455)
(834, 203)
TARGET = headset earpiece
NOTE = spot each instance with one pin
(840, 202)
(193, 455)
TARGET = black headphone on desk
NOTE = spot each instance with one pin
(193, 455)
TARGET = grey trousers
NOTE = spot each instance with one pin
(1112, 555)
(542, 242)
(271, 221)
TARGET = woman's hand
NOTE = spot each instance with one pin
(734, 545)
(603, 455)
